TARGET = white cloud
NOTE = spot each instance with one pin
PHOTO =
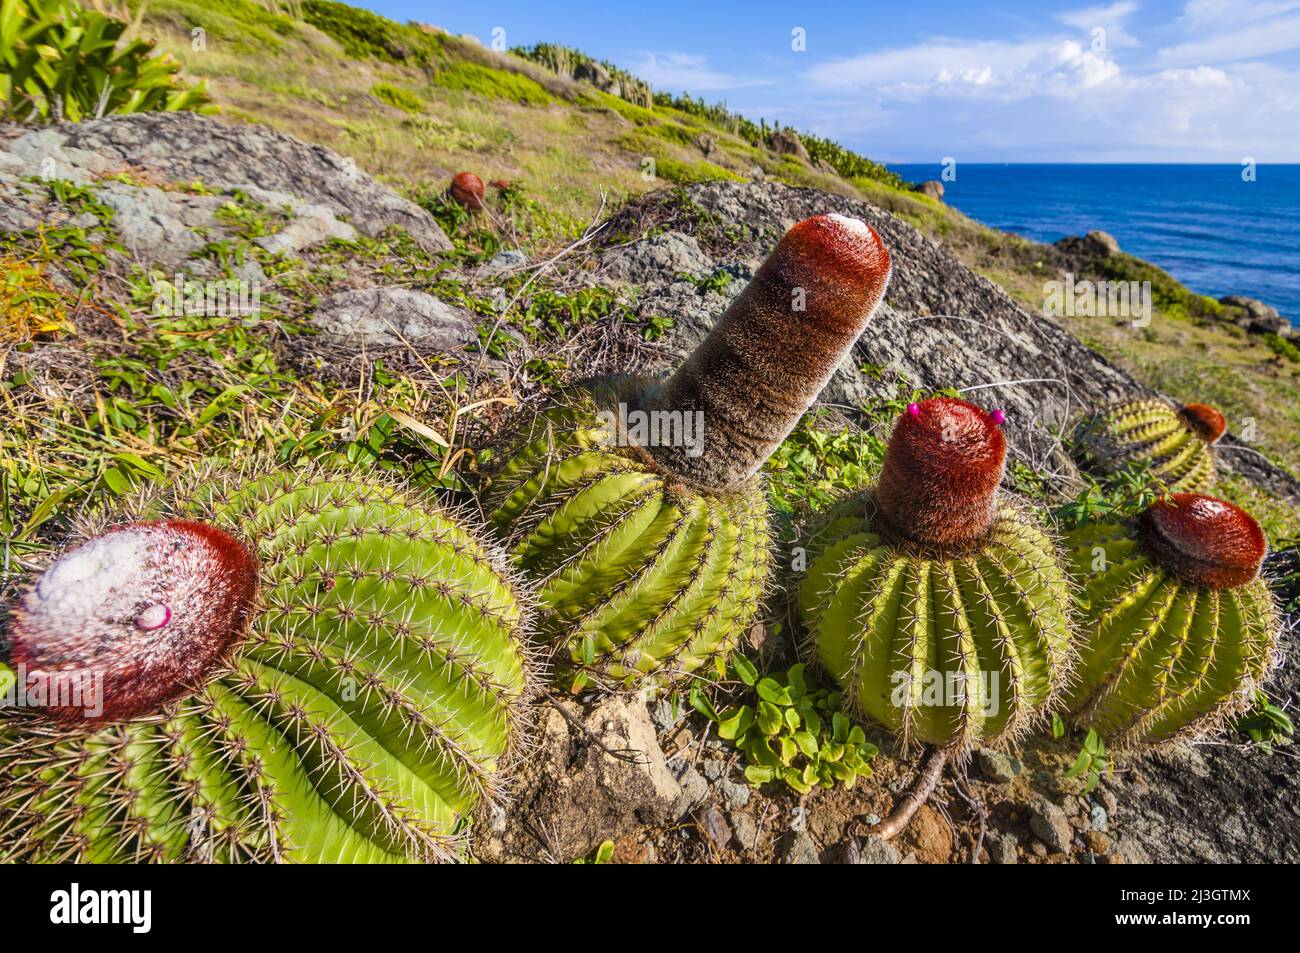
(686, 71)
(1110, 20)
(1212, 44)
(1213, 93)
(1007, 70)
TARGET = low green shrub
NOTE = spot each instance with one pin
(397, 97)
(498, 84)
(1282, 347)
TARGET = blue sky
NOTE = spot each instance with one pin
(919, 80)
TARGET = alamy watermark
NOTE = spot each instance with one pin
(1098, 299)
(213, 298)
(79, 689)
(945, 690)
(654, 428)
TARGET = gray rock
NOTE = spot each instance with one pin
(845, 852)
(1274, 325)
(593, 73)
(694, 788)
(384, 317)
(798, 847)
(666, 715)
(311, 225)
(745, 830)
(1098, 818)
(1002, 849)
(713, 770)
(1253, 307)
(877, 850)
(185, 147)
(1049, 824)
(787, 142)
(1107, 799)
(995, 766)
(570, 795)
(1095, 244)
(932, 188)
(735, 793)
(662, 258)
(1131, 852)
(507, 259)
(714, 826)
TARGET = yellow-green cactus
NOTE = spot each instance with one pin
(939, 610)
(1176, 631)
(1174, 442)
(297, 666)
(637, 505)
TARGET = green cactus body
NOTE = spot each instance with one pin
(1160, 657)
(1148, 432)
(946, 646)
(638, 574)
(365, 712)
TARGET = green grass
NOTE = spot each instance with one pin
(397, 97)
(485, 81)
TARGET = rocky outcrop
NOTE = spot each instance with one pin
(786, 142)
(1092, 245)
(164, 150)
(1256, 316)
(932, 188)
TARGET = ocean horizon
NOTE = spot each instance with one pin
(1215, 232)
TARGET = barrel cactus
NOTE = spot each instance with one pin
(1176, 628)
(284, 666)
(638, 505)
(938, 608)
(1173, 441)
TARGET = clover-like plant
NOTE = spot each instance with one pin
(790, 730)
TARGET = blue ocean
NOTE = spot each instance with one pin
(1203, 224)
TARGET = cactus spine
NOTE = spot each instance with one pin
(937, 608)
(1175, 442)
(355, 710)
(652, 553)
(1176, 628)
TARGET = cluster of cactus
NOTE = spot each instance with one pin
(1176, 628)
(1171, 443)
(344, 687)
(311, 665)
(652, 554)
(938, 609)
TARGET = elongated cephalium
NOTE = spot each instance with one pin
(1174, 441)
(303, 666)
(1176, 628)
(638, 505)
(938, 608)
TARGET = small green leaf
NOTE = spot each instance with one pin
(744, 669)
(772, 691)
